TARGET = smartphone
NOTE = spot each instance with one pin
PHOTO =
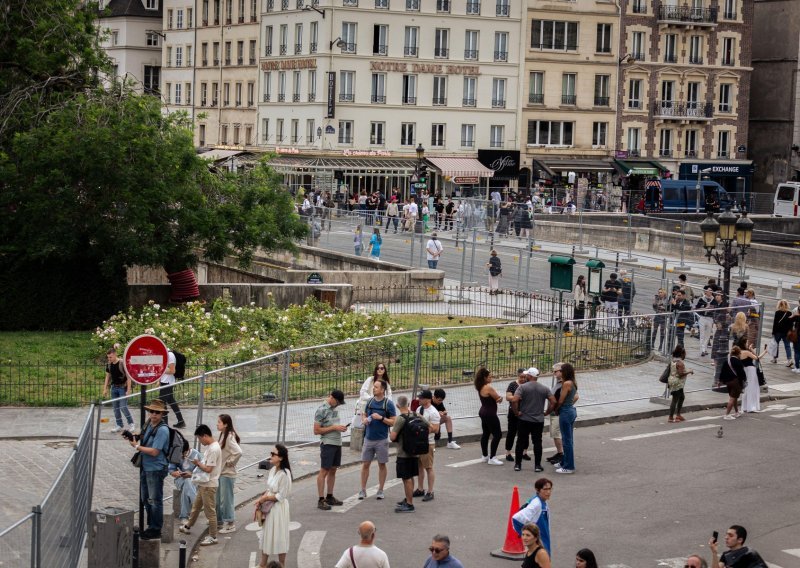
(714, 536)
(347, 425)
(127, 435)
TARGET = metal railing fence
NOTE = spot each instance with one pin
(54, 533)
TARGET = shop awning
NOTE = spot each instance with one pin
(220, 154)
(639, 167)
(461, 167)
(567, 165)
(351, 164)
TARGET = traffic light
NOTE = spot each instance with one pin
(422, 173)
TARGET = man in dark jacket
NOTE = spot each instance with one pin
(626, 298)
(612, 290)
(683, 309)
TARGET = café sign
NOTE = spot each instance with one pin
(466, 180)
(367, 153)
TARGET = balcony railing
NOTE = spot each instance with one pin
(723, 154)
(695, 60)
(312, 97)
(284, 4)
(443, 6)
(298, 48)
(409, 100)
(250, 103)
(380, 50)
(281, 97)
(348, 48)
(266, 97)
(495, 144)
(634, 153)
(536, 98)
(467, 143)
(470, 54)
(240, 61)
(638, 56)
(282, 50)
(729, 15)
(214, 102)
(353, 3)
(498, 103)
(205, 62)
(216, 62)
(268, 50)
(687, 14)
(501, 56)
(378, 99)
(635, 104)
(238, 103)
(468, 102)
(473, 8)
(227, 61)
(725, 107)
(569, 99)
(346, 97)
(410, 51)
(670, 58)
(312, 48)
(296, 98)
(665, 153)
(252, 61)
(601, 101)
(441, 52)
(690, 154)
(439, 101)
(683, 109)
(270, 5)
(604, 49)
(503, 10)
(729, 61)
(241, 19)
(299, 4)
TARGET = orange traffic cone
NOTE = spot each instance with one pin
(513, 549)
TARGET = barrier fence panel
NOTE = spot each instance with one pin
(17, 543)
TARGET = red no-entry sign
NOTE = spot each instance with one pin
(145, 359)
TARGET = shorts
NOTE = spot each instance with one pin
(734, 388)
(426, 460)
(555, 427)
(375, 449)
(330, 456)
(407, 467)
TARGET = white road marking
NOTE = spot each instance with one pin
(786, 414)
(664, 433)
(308, 551)
(770, 565)
(793, 552)
(253, 558)
(479, 460)
(785, 387)
(353, 500)
(776, 407)
(616, 566)
(704, 418)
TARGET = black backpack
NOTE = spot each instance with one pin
(174, 453)
(180, 364)
(415, 435)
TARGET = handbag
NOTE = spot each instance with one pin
(262, 511)
(762, 381)
(792, 335)
(664, 378)
(136, 459)
(772, 348)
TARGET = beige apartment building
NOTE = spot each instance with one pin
(685, 91)
(571, 62)
(211, 68)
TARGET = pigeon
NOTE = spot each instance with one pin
(719, 432)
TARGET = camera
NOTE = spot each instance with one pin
(129, 435)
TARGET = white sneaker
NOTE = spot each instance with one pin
(494, 461)
(131, 427)
(185, 529)
(115, 429)
(485, 458)
(560, 470)
(208, 541)
(380, 494)
(228, 528)
(729, 417)
(453, 446)
(362, 494)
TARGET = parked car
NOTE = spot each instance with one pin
(787, 199)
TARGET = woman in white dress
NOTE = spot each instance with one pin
(275, 534)
(751, 397)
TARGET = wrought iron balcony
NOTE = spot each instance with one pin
(439, 101)
(380, 50)
(601, 101)
(503, 10)
(410, 51)
(569, 99)
(378, 99)
(683, 110)
(409, 100)
(536, 98)
(470, 54)
(346, 97)
(687, 15)
(441, 52)
(469, 102)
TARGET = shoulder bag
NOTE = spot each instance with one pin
(762, 381)
(665, 373)
(262, 511)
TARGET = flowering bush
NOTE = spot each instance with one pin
(222, 330)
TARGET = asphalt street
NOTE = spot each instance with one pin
(646, 494)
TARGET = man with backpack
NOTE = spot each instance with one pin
(431, 415)
(176, 369)
(378, 416)
(410, 431)
(153, 446)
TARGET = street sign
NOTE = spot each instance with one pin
(414, 178)
(145, 359)
(421, 185)
(314, 278)
(465, 180)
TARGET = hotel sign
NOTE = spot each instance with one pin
(289, 64)
(399, 67)
(331, 95)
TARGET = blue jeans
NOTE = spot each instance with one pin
(566, 420)
(782, 337)
(152, 489)
(188, 493)
(432, 263)
(121, 405)
(225, 505)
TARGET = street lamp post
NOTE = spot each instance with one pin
(732, 231)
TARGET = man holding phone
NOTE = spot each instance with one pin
(738, 555)
(327, 427)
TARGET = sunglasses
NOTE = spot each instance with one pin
(154, 411)
(436, 550)
(274, 454)
(381, 368)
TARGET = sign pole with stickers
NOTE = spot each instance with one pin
(145, 360)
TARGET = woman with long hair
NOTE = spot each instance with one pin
(585, 559)
(739, 327)
(490, 423)
(751, 393)
(275, 534)
(535, 554)
(231, 452)
(733, 376)
(375, 242)
(781, 325)
(676, 382)
(579, 295)
(567, 414)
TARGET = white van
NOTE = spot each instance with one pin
(787, 199)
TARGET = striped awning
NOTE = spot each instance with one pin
(461, 167)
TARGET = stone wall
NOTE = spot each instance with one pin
(282, 295)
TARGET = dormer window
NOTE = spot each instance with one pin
(151, 4)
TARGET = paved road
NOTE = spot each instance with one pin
(646, 494)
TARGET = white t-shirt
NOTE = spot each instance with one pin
(166, 378)
(433, 245)
(432, 416)
(413, 209)
(365, 557)
(213, 456)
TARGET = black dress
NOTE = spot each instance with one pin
(530, 561)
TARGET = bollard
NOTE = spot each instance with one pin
(580, 233)
(411, 258)
(472, 257)
(182, 555)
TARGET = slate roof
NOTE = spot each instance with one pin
(120, 8)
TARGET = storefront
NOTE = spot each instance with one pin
(634, 173)
(460, 176)
(345, 173)
(736, 176)
(577, 180)
(505, 165)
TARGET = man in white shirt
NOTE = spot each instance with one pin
(365, 554)
(434, 249)
(427, 411)
(167, 386)
(206, 490)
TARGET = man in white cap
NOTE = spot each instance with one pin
(528, 404)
